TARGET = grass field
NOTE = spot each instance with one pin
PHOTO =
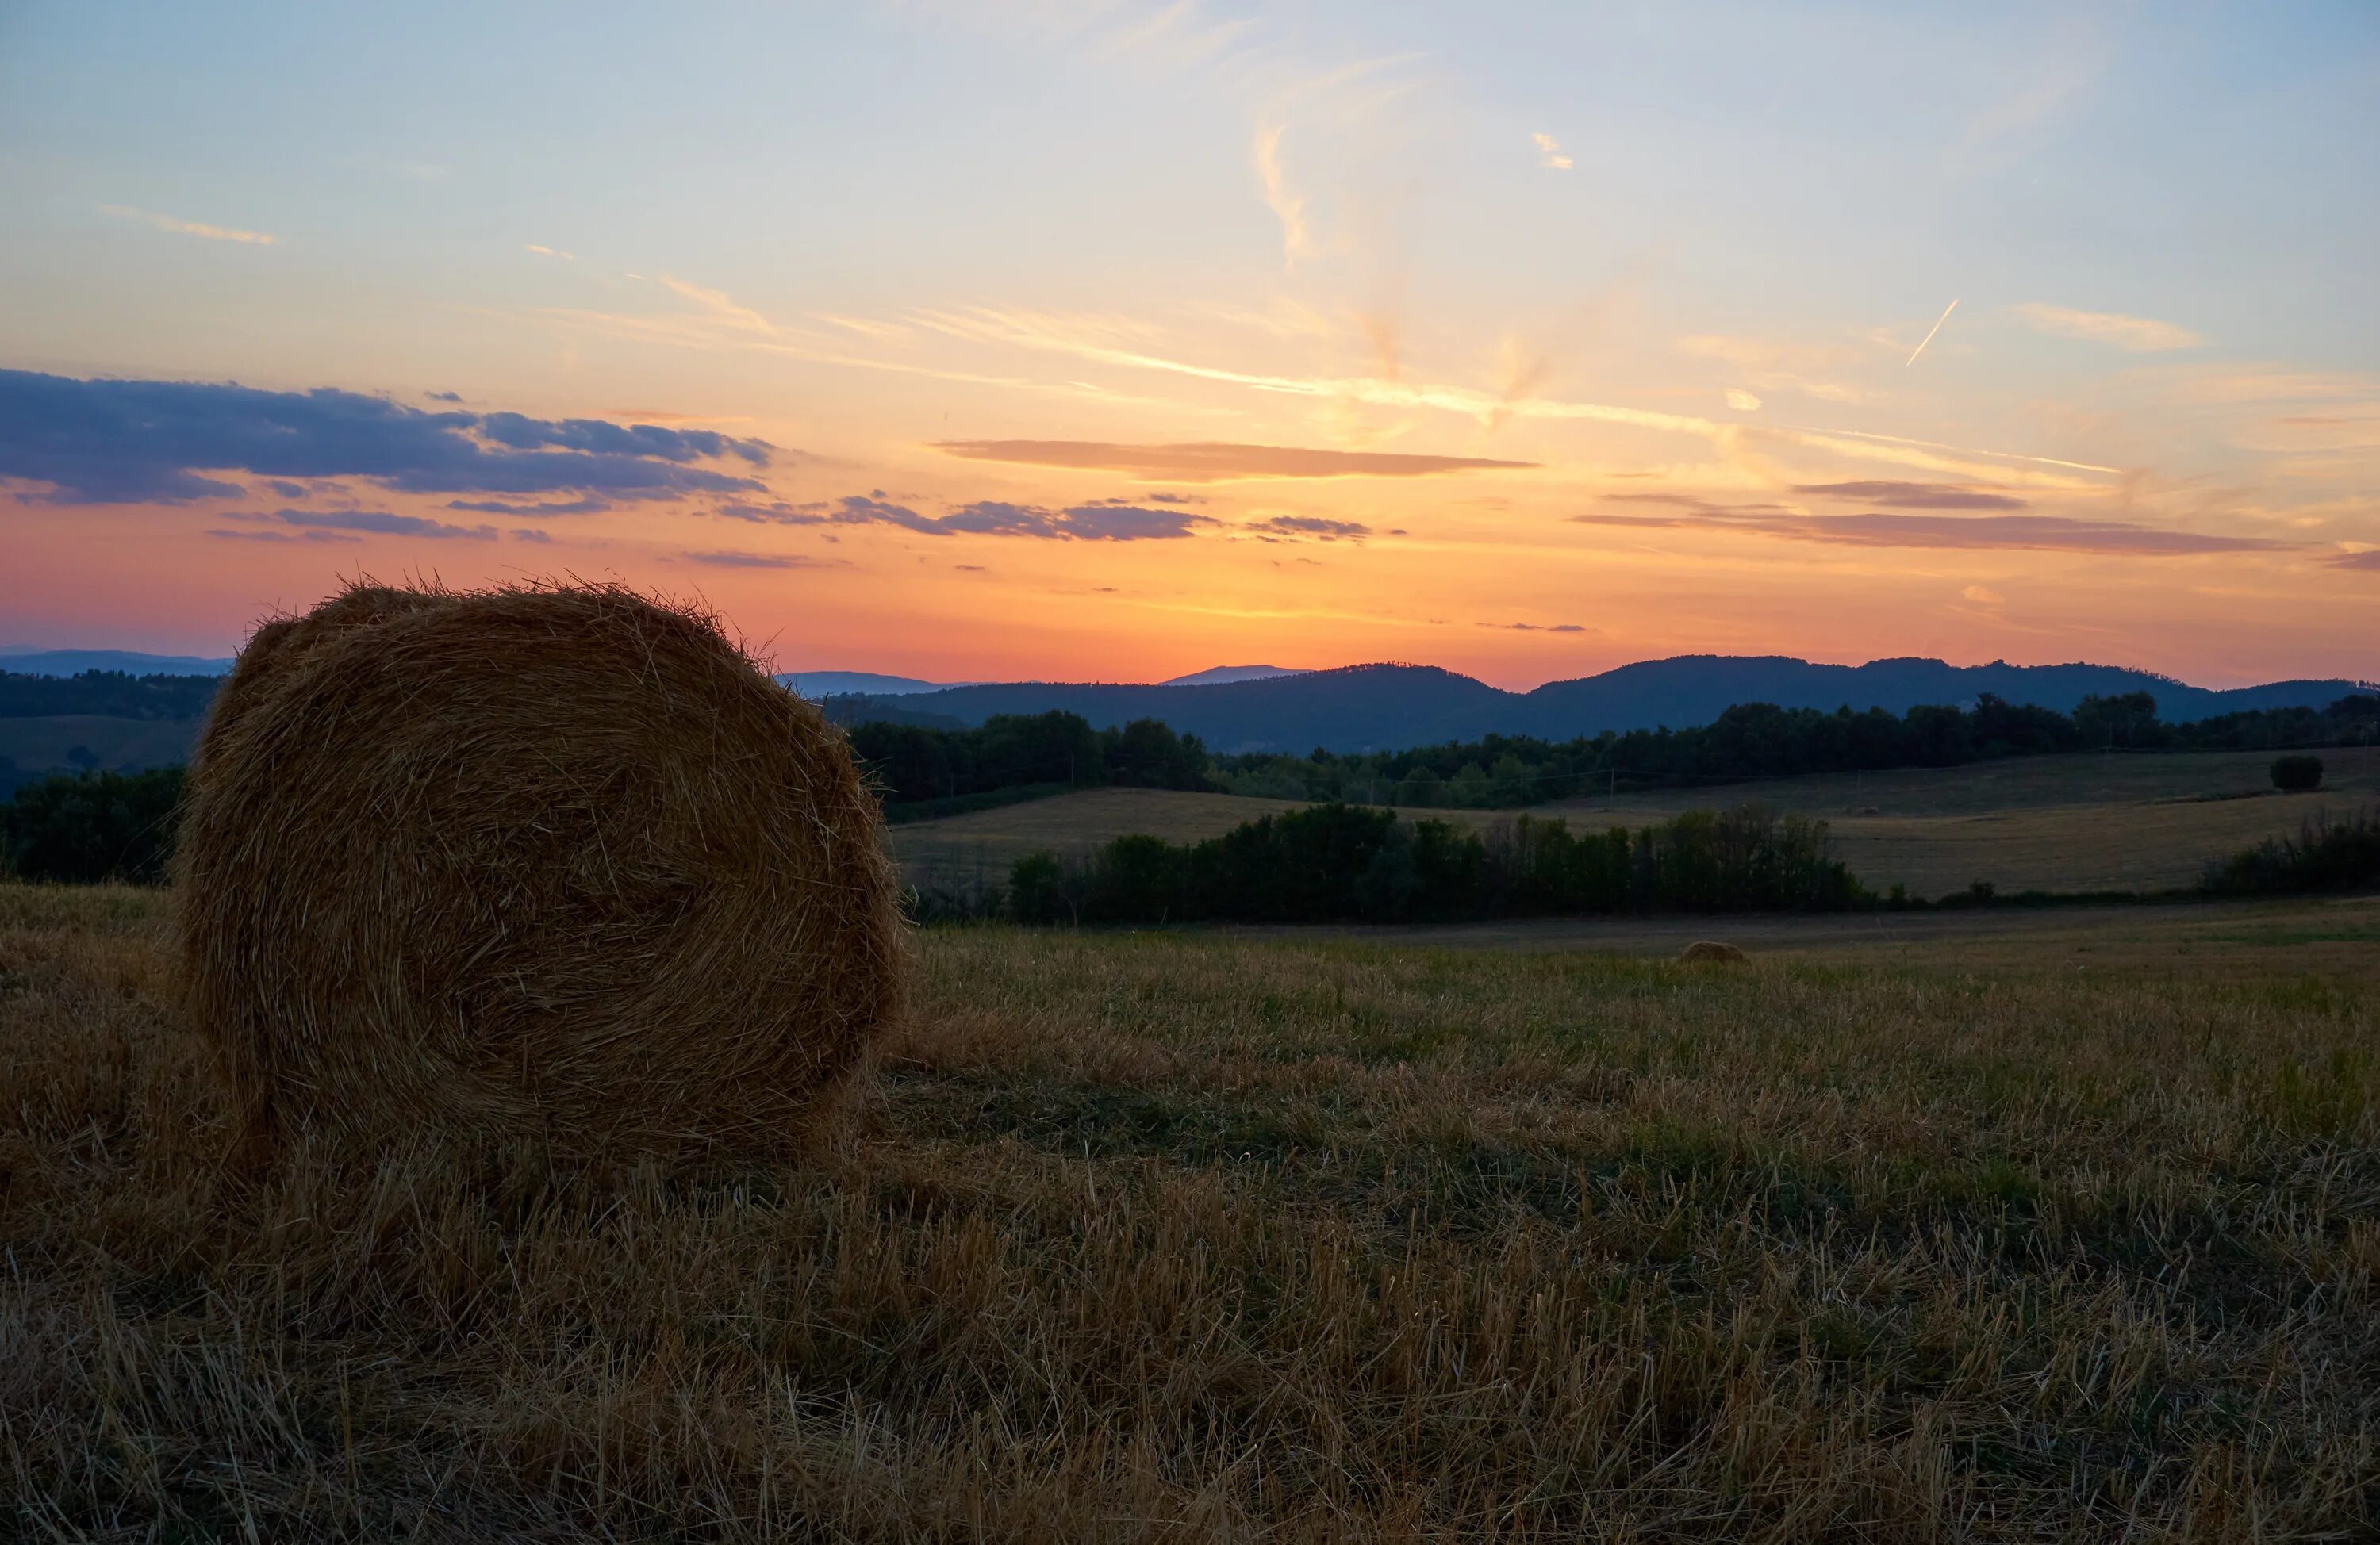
(2047, 823)
(1175, 1236)
(43, 743)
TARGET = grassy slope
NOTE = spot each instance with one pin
(1191, 1237)
(2054, 823)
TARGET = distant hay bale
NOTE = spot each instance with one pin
(1707, 952)
(554, 866)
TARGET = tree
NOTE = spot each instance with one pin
(1037, 889)
(91, 826)
(2296, 775)
(2127, 719)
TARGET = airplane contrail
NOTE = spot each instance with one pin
(1929, 336)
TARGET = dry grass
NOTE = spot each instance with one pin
(2023, 784)
(1197, 1237)
(2041, 823)
(547, 864)
(2334, 939)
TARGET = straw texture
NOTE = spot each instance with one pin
(551, 864)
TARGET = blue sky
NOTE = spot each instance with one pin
(1685, 250)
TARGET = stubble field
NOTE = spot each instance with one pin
(1211, 1237)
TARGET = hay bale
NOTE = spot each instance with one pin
(1708, 951)
(275, 648)
(554, 866)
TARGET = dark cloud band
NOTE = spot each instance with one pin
(151, 441)
(987, 517)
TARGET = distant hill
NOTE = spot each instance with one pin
(1356, 708)
(814, 684)
(74, 663)
(1223, 675)
(1381, 708)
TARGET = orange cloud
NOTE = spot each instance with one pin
(1214, 460)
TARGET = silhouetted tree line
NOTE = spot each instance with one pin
(1760, 740)
(114, 693)
(91, 826)
(1335, 862)
(912, 765)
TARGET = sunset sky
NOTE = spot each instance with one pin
(1113, 341)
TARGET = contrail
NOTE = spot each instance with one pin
(1929, 337)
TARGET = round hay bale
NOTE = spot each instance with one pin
(274, 649)
(1709, 952)
(548, 865)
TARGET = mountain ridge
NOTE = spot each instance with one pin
(1393, 706)
(1389, 705)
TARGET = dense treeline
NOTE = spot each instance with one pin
(1055, 751)
(1334, 862)
(114, 693)
(1759, 740)
(91, 826)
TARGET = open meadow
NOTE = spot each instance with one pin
(1213, 1236)
(2070, 822)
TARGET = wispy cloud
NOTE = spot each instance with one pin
(1914, 496)
(505, 507)
(1776, 365)
(1550, 152)
(1976, 533)
(1106, 521)
(551, 252)
(1032, 330)
(187, 227)
(1288, 208)
(383, 523)
(2139, 335)
(2062, 67)
(1742, 401)
(2367, 559)
(1309, 528)
(1538, 627)
(1214, 462)
(730, 559)
(284, 535)
(719, 304)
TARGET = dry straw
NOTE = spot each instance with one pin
(554, 866)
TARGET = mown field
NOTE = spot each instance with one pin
(1203, 1236)
(2048, 822)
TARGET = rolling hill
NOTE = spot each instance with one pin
(1378, 708)
(1384, 708)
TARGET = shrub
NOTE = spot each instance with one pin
(2325, 855)
(2296, 775)
(1037, 889)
